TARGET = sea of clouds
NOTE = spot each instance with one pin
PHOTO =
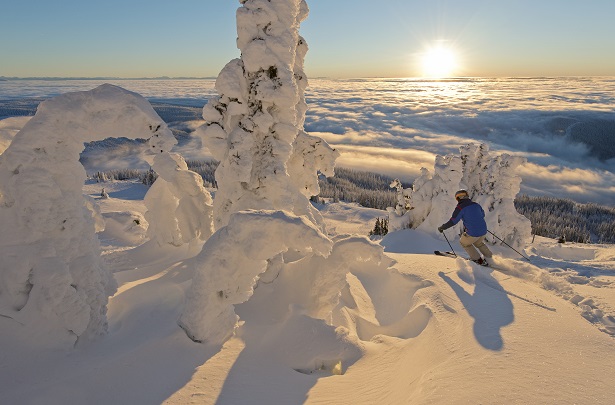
(564, 126)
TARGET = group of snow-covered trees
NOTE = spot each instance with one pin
(550, 217)
(562, 218)
(365, 188)
(490, 180)
(53, 278)
(260, 226)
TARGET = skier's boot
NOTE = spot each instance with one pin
(481, 261)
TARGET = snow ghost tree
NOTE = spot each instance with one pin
(490, 180)
(254, 126)
(429, 193)
(265, 225)
(493, 183)
(179, 208)
(51, 274)
(438, 193)
(400, 214)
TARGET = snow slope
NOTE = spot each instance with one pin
(429, 329)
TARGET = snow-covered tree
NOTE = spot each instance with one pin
(52, 277)
(266, 226)
(311, 154)
(437, 198)
(179, 208)
(255, 124)
(490, 180)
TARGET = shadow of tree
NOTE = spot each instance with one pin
(284, 360)
(268, 382)
(490, 307)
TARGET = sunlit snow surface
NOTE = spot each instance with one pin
(564, 126)
(437, 330)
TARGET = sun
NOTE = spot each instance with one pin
(439, 62)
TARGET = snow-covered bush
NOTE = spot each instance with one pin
(308, 271)
(51, 274)
(490, 180)
(179, 208)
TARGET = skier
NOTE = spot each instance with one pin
(475, 227)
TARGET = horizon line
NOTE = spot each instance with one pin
(425, 78)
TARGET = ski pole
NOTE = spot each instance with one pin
(508, 245)
(449, 244)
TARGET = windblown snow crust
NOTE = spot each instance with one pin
(51, 270)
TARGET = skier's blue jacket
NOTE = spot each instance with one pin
(473, 218)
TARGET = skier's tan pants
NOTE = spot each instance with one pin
(469, 242)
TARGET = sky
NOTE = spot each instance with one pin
(347, 38)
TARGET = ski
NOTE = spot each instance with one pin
(453, 255)
(447, 254)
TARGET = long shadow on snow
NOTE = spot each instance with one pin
(145, 346)
(255, 380)
(282, 361)
(490, 308)
(144, 359)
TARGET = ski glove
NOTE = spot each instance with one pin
(440, 229)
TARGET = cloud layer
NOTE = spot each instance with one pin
(400, 125)
(564, 126)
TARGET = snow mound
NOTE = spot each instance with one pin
(128, 227)
(384, 303)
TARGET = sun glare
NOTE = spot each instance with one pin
(439, 62)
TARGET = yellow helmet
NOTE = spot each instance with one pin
(461, 194)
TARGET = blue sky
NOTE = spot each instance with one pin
(347, 38)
